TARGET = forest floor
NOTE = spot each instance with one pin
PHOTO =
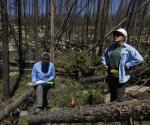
(67, 88)
(134, 92)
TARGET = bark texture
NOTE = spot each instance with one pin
(112, 112)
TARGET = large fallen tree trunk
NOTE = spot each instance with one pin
(10, 108)
(112, 112)
(140, 71)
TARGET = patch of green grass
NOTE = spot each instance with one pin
(23, 122)
(66, 89)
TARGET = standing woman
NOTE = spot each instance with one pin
(42, 71)
(118, 59)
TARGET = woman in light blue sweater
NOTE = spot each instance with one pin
(43, 73)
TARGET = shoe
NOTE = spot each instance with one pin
(45, 108)
(119, 100)
(38, 110)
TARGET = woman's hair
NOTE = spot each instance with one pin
(46, 56)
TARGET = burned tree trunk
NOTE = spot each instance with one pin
(10, 108)
(112, 112)
(5, 43)
(52, 30)
(35, 28)
(20, 44)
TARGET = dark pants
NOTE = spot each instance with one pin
(116, 89)
(42, 95)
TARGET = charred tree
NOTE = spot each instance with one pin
(21, 60)
(5, 43)
(52, 30)
(20, 44)
(47, 23)
(104, 19)
(35, 28)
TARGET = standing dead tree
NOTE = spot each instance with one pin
(21, 60)
(35, 27)
(64, 22)
(104, 20)
(52, 30)
(4, 19)
(119, 24)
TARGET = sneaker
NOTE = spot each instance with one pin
(46, 108)
(38, 110)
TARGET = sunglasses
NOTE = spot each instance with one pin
(117, 34)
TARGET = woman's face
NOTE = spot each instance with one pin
(45, 61)
(118, 38)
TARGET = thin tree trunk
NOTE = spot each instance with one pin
(47, 23)
(21, 60)
(97, 24)
(5, 43)
(141, 25)
(104, 19)
(35, 26)
(52, 31)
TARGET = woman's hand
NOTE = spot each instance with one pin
(106, 67)
(34, 81)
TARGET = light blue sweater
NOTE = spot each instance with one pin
(37, 73)
(129, 57)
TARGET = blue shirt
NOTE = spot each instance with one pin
(37, 73)
(129, 56)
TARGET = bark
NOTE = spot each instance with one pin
(111, 112)
(104, 20)
(141, 23)
(10, 108)
(5, 64)
(52, 30)
(35, 27)
(19, 2)
(47, 23)
(20, 47)
(97, 24)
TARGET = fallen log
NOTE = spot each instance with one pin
(140, 71)
(92, 79)
(10, 108)
(112, 112)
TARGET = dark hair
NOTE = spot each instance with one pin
(46, 56)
